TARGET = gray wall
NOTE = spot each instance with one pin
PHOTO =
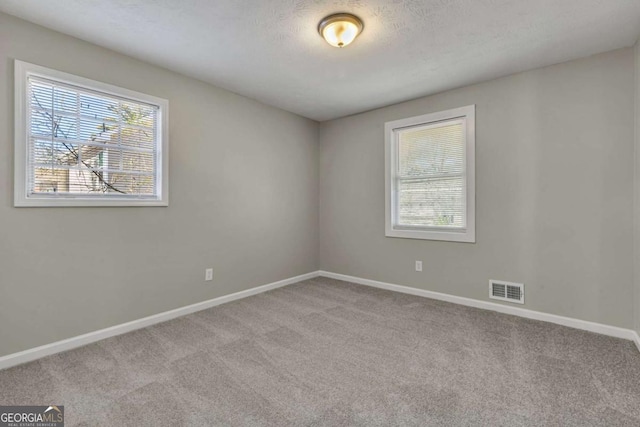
(243, 200)
(554, 192)
(636, 278)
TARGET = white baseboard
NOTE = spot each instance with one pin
(81, 340)
(599, 328)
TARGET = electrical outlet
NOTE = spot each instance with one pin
(208, 274)
(418, 265)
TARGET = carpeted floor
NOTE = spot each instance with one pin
(331, 353)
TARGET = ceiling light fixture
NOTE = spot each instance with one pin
(340, 29)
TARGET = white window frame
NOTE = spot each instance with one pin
(468, 234)
(22, 198)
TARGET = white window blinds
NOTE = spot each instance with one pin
(431, 175)
(87, 143)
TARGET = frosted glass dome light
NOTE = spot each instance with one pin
(340, 29)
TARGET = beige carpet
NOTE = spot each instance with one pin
(330, 353)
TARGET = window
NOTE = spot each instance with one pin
(79, 142)
(430, 177)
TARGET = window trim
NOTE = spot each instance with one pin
(467, 235)
(21, 192)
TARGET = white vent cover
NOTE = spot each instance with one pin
(506, 291)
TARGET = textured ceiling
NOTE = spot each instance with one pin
(269, 50)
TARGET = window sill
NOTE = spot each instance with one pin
(466, 236)
(52, 202)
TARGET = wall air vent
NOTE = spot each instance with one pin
(506, 291)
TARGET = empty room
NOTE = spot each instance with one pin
(319, 213)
